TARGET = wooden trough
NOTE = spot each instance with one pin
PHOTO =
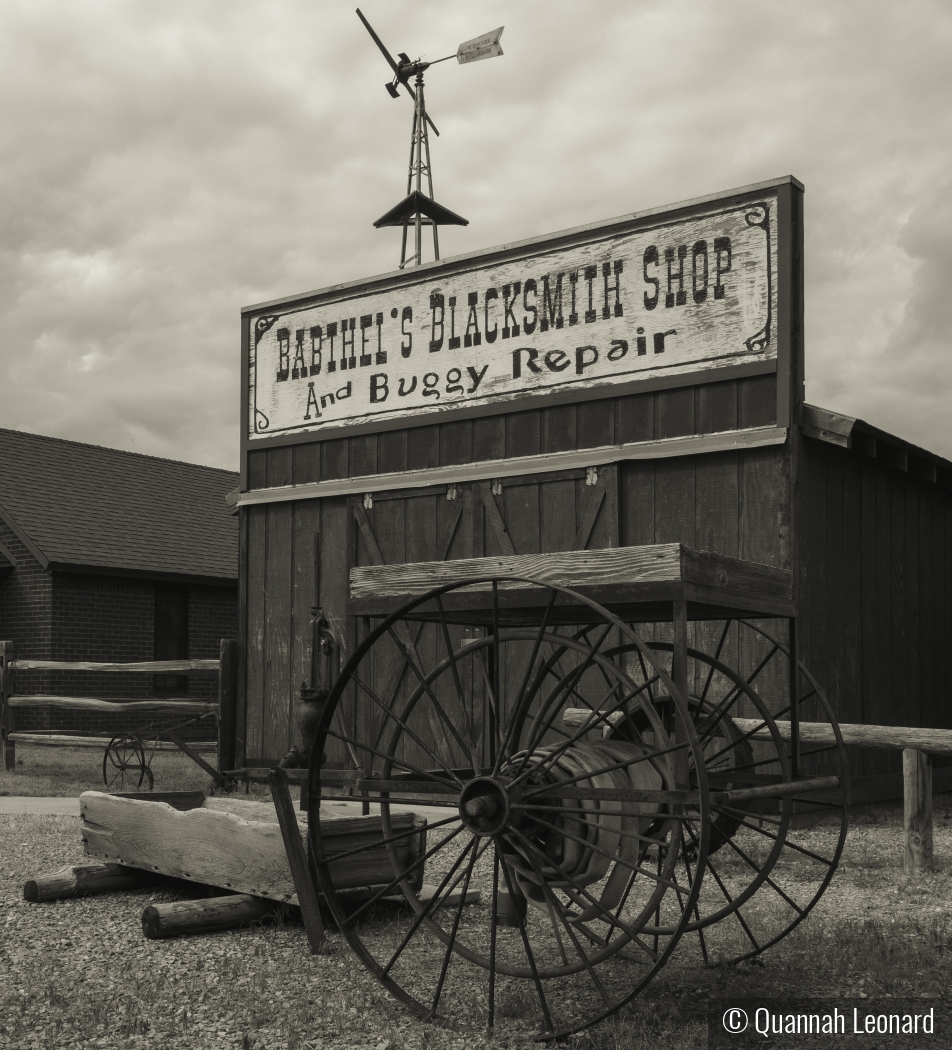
(235, 845)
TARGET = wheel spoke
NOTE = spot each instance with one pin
(456, 922)
(402, 762)
(375, 843)
(599, 850)
(437, 707)
(788, 844)
(582, 891)
(646, 756)
(512, 720)
(551, 904)
(410, 733)
(530, 958)
(464, 713)
(430, 905)
(349, 920)
(494, 912)
(553, 756)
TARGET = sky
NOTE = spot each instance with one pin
(163, 165)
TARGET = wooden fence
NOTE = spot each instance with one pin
(225, 667)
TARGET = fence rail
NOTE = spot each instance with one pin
(225, 667)
(147, 666)
(917, 745)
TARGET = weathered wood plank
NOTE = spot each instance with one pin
(65, 740)
(618, 566)
(222, 849)
(917, 812)
(512, 465)
(148, 666)
(276, 721)
(167, 706)
(889, 738)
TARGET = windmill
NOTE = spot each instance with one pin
(418, 208)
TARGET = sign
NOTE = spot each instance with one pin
(661, 298)
(480, 47)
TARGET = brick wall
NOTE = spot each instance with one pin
(25, 601)
(74, 616)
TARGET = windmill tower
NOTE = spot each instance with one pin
(419, 208)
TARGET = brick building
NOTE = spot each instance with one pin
(110, 555)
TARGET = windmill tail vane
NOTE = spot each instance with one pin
(419, 208)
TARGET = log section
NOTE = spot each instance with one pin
(205, 916)
(82, 880)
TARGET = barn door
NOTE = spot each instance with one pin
(564, 511)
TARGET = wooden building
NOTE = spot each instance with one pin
(109, 555)
(632, 382)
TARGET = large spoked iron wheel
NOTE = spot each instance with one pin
(574, 839)
(124, 765)
(769, 860)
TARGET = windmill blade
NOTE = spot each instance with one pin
(379, 43)
(480, 47)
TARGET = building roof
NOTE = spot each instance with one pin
(862, 437)
(85, 508)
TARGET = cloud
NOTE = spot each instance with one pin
(163, 165)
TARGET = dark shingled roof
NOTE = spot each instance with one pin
(84, 507)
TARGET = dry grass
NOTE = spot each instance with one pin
(79, 973)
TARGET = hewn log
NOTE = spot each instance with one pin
(203, 916)
(916, 812)
(81, 880)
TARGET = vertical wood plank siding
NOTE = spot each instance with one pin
(874, 552)
(697, 500)
(875, 580)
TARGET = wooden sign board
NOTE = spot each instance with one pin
(580, 314)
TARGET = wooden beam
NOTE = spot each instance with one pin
(151, 666)
(178, 708)
(917, 812)
(701, 573)
(297, 861)
(891, 738)
(664, 448)
(65, 740)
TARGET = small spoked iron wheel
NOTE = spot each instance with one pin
(574, 840)
(124, 765)
(769, 860)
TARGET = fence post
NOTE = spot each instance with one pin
(227, 702)
(7, 687)
(916, 811)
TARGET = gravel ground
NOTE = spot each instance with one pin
(80, 974)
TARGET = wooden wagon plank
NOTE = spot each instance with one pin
(176, 708)
(615, 567)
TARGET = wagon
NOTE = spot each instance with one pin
(569, 544)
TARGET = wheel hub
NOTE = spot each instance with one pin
(484, 806)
